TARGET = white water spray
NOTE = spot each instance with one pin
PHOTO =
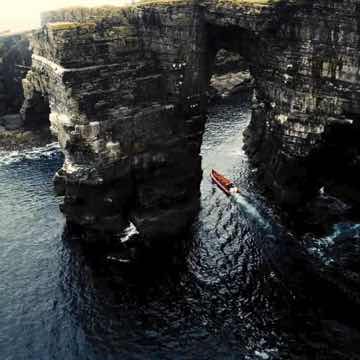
(323, 244)
(340, 229)
(9, 157)
(250, 210)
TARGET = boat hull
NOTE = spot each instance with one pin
(219, 180)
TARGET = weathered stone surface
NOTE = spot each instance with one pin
(127, 90)
(15, 61)
(307, 85)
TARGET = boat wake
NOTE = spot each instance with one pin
(250, 210)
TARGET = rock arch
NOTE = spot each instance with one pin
(127, 91)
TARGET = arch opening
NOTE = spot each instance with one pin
(230, 75)
(36, 112)
(231, 51)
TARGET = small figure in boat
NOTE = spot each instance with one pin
(223, 183)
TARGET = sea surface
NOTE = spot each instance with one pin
(246, 289)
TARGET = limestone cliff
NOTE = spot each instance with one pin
(127, 93)
(305, 126)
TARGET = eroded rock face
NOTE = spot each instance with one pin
(127, 90)
(308, 90)
(15, 61)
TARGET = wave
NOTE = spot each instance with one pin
(47, 151)
(129, 232)
(250, 210)
(321, 246)
(340, 230)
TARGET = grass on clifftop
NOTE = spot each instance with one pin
(71, 25)
(184, 2)
(255, 3)
(108, 9)
(85, 18)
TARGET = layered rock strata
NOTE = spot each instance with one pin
(124, 88)
(127, 91)
(306, 120)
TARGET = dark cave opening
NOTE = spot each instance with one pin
(335, 165)
(230, 50)
(230, 76)
(36, 112)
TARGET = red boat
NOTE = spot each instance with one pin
(223, 183)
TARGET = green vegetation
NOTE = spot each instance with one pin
(185, 2)
(82, 13)
(163, 2)
(255, 3)
(86, 17)
(63, 26)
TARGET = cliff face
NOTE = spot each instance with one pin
(127, 93)
(304, 128)
(15, 61)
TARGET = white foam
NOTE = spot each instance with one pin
(323, 243)
(262, 355)
(129, 232)
(119, 260)
(250, 209)
(340, 229)
(10, 157)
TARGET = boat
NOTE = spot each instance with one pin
(226, 185)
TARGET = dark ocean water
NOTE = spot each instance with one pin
(244, 291)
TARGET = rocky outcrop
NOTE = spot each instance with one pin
(127, 92)
(15, 61)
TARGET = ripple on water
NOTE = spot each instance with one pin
(227, 302)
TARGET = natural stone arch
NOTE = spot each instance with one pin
(127, 93)
(229, 77)
(229, 59)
